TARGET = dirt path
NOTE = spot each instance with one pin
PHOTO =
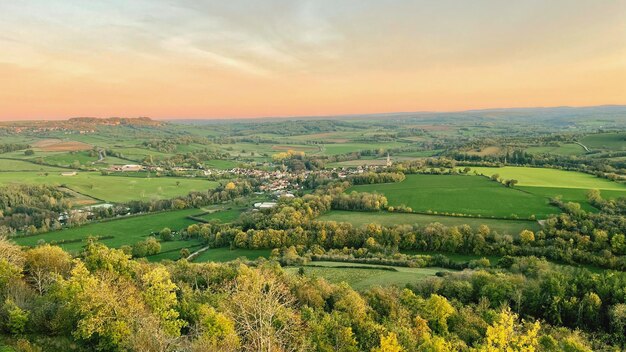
(584, 146)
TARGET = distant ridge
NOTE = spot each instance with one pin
(557, 112)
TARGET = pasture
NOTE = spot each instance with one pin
(128, 230)
(364, 276)
(607, 141)
(113, 188)
(132, 229)
(541, 177)
(223, 216)
(577, 195)
(457, 194)
(19, 165)
(359, 219)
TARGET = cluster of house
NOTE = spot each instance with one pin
(85, 212)
(127, 168)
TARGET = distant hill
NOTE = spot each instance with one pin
(139, 121)
(612, 115)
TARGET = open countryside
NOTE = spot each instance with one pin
(461, 195)
(323, 176)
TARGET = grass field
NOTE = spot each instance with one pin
(221, 164)
(113, 188)
(388, 219)
(125, 230)
(226, 254)
(343, 148)
(364, 276)
(130, 230)
(563, 149)
(608, 141)
(461, 195)
(577, 195)
(540, 177)
(224, 216)
(18, 165)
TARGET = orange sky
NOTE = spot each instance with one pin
(170, 59)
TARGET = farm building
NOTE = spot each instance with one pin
(264, 205)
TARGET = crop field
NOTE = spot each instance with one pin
(124, 231)
(113, 188)
(540, 177)
(358, 219)
(490, 150)
(308, 149)
(57, 145)
(458, 194)
(364, 276)
(227, 254)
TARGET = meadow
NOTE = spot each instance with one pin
(358, 219)
(562, 149)
(608, 141)
(128, 230)
(541, 177)
(132, 229)
(19, 165)
(364, 276)
(223, 216)
(577, 195)
(460, 194)
(113, 188)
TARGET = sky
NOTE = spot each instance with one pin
(220, 59)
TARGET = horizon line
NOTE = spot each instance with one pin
(260, 117)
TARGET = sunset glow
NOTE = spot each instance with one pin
(183, 59)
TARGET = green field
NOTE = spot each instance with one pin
(364, 276)
(221, 164)
(461, 195)
(113, 188)
(132, 229)
(608, 141)
(563, 149)
(344, 148)
(540, 177)
(125, 230)
(67, 159)
(224, 216)
(227, 254)
(389, 219)
(18, 165)
(577, 195)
